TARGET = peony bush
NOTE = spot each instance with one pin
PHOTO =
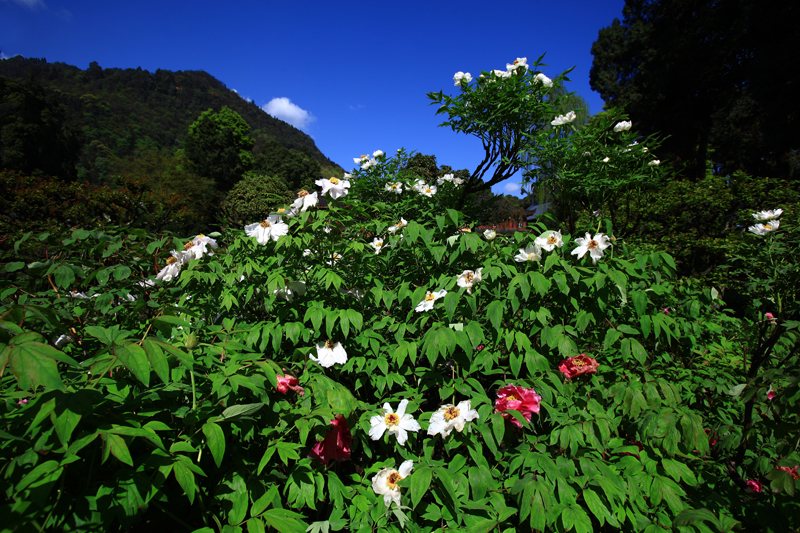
(365, 361)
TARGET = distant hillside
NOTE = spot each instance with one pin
(126, 107)
(94, 146)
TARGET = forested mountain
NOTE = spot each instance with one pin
(120, 135)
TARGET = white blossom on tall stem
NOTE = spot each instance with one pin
(594, 245)
(336, 187)
(427, 303)
(549, 240)
(761, 216)
(529, 253)
(378, 244)
(398, 423)
(173, 267)
(329, 354)
(395, 187)
(544, 80)
(560, 120)
(304, 200)
(468, 278)
(199, 246)
(427, 190)
(623, 125)
(397, 227)
(460, 77)
(766, 227)
(519, 63)
(270, 228)
(385, 482)
(450, 417)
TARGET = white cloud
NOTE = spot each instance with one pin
(511, 188)
(286, 110)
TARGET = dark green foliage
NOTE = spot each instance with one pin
(254, 197)
(35, 135)
(219, 146)
(713, 77)
(293, 166)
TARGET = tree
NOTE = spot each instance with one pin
(254, 197)
(219, 146)
(505, 110)
(717, 78)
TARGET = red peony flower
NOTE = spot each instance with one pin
(754, 486)
(771, 394)
(287, 383)
(791, 470)
(513, 397)
(336, 444)
(578, 365)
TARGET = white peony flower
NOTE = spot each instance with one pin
(519, 63)
(606, 159)
(427, 190)
(304, 200)
(269, 228)
(560, 120)
(377, 153)
(529, 253)
(171, 271)
(489, 234)
(450, 417)
(329, 354)
(334, 186)
(549, 240)
(594, 245)
(654, 163)
(459, 76)
(397, 227)
(399, 423)
(395, 187)
(767, 215)
(544, 80)
(335, 257)
(468, 278)
(501, 73)
(624, 125)
(385, 482)
(198, 247)
(766, 227)
(427, 303)
(377, 244)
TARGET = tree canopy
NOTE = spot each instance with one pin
(719, 79)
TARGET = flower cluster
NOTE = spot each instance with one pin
(451, 179)
(365, 161)
(195, 249)
(424, 188)
(767, 221)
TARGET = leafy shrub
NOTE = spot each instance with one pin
(254, 197)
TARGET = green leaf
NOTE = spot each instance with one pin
(185, 478)
(284, 520)
(215, 438)
(14, 266)
(420, 482)
(158, 361)
(33, 366)
(246, 409)
(64, 276)
(596, 506)
(135, 359)
(494, 311)
(65, 423)
(116, 445)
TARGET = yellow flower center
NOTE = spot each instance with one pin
(592, 244)
(392, 479)
(301, 193)
(281, 210)
(468, 277)
(335, 181)
(511, 398)
(451, 412)
(578, 362)
(391, 419)
(188, 245)
(329, 344)
(171, 259)
(378, 244)
(265, 224)
(552, 239)
(768, 227)
(429, 297)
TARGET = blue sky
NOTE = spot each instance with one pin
(353, 75)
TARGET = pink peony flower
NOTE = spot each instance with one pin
(337, 443)
(769, 316)
(754, 486)
(287, 383)
(23, 401)
(578, 365)
(791, 470)
(513, 397)
(771, 394)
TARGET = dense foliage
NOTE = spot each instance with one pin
(709, 76)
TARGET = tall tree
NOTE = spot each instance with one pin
(717, 77)
(219, 146)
